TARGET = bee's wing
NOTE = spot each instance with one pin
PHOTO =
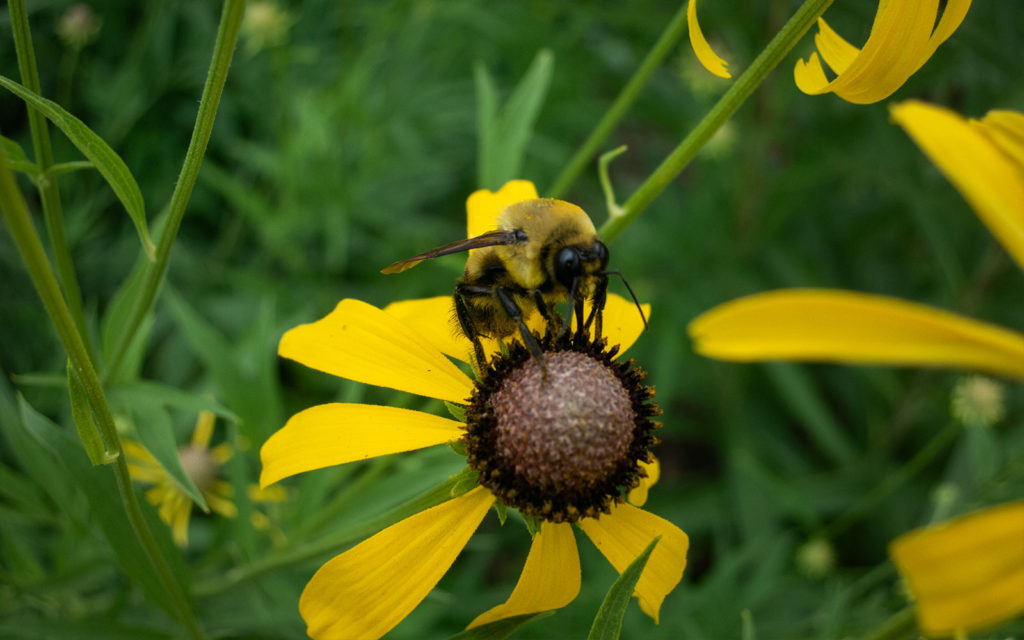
(489, 239)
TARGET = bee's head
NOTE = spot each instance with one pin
(574, 263)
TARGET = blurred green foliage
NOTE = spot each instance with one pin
(347, 139)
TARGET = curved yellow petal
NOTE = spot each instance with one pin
(711, 60)
(825, 325)
(331, 434)
(624, 533)
(638, 494)
(360, 342)
(968, 155)
(550, 579)
(434, 319)
(366, 591)
(902, 39)
(483, 206)
(968, 573)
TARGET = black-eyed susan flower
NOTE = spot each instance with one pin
(562, 446)
(903, 37)
(969, 573)
(202, 464)
(985, 160)
(965, 574)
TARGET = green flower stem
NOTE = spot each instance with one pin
(223, 49)
(938, 443)
(48, 193)
(899, 626)
(744, 86)
(19, 224)
(675, 29)
(334, 543)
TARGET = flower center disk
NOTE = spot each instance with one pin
(565, 444)
(567, 431)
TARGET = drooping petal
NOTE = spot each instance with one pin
(624, 533)
(825, 325)
(966, 574)
(366, 591)
(638, 495)
(550, 579)
(974, 158)
(360, 342)
(711, 61)
(332, 434)
(483, 206)
(434, 319)
(902, 39)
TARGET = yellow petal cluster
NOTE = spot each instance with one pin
(965, 574)
(903, 37)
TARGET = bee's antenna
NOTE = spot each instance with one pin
(631, 294)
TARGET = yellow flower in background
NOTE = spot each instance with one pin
(966, 574)
(903, 37)
(985, 161)
(202, 464)
(367, 590)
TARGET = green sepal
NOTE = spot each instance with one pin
(457, 411)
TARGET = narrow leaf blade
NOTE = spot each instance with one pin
(93, 147)
(608, 622)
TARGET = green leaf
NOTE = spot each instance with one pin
(16, 158)
(457, 411)
(119, 311)
(105, 507)
(486, 115)
(156, 432)
(106, 160)
(499, 629)
(608, 622)
(140, 392)
(88, 432)
(518, 116)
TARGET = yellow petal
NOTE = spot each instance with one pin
(624, 533)
(711, 61)
(360, 342)
(434, 319)
(902, 39)
(622, 321)
(550, 579)
(857, 328)
(1006, 130)
(331, 434)
(638, 494)
(366, 591)
(483, 206)
(204, 429)
(968, 573)
(989, 179)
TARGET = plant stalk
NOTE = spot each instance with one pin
(744, 86)
(223, 49)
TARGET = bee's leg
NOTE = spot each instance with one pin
(567, 325)
(514, 312)
(597, 310)
(545, 312)
(466, 323)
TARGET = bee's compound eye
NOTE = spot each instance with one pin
(600, 253)
(567, 266)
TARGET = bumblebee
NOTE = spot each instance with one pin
(544, 252)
